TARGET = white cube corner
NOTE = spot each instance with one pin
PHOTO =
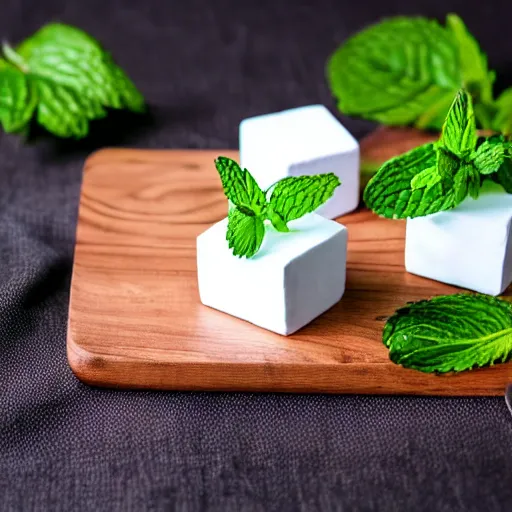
(302, 141)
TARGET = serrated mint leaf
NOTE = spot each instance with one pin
(466, 181)
(74, 79)
(426, 179)
(476, 76)
(293, 197)
(450, 333)
(389, 193)
(18, 98)
(397, 71)
(239, 186)
(489, 157)
(459, 130)
(245, 233)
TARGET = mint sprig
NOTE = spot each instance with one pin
(290, 199)
(65, 78)
(437, 177)
(406, 70)
(450, 333)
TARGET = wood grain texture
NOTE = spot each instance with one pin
(135, 318)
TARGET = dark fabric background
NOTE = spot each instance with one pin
(203, 66)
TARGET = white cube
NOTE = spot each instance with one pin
(302, 141)
(294, 277)
(469, 246)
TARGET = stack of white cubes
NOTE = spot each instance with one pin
(295, 276)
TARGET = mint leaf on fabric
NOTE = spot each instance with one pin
(293, 197)
(396, 71)
(239, 186)
(18, 98)
(459, 130)
(390, 194)
(476, 75)
(72, 78)
(245, 233)
(450, 333)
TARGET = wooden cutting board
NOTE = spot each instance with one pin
(135, 318)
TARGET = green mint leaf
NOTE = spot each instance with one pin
(459, 130)
(427, 178)
(466, 181)
(74, 79)
(489, 156)
(450, 333)
(277, 221)
(239, 186)
(504, 176)
(399, 71)
(245, 233)
(502, 121)
(389, 193)
(293, 197)
(473, 62)
(18, 98)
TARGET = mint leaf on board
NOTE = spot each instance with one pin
(239, 186)
(450, 333)
(245, 233)
(458, 134)
(395, 71)
(293, 197)
(71, 78)
(390, 194)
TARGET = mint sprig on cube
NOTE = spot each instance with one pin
(290, 199)
(64, 78)
(438, 176)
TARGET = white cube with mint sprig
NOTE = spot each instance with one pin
(272, 261)
(456, 195)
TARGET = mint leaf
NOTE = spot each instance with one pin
(489, 156)
(450, 333)
(473, 62)
(18, 98)
(389, 193)
(459, 130)
(427, 178)
(466, 181)
(72, 78)
(239, 186)
(395, 71)
(502, 121)
(293, 197)
(245, 233)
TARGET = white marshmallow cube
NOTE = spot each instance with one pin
(294, 277)
(469, 246)
(302, 141)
